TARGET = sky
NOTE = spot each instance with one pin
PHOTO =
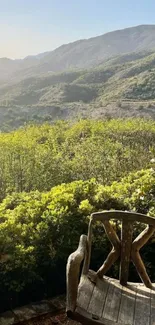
(29, 27)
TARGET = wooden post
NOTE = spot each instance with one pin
(139, 242)
(126, 243)
(88, 251)
(73, 271)
(115, 252)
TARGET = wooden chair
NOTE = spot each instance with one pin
(93, 298)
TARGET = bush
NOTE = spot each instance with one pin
(105, 150)
(140, 107)
(40, 230)
(149, 105)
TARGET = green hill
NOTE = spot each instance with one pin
(122, 86)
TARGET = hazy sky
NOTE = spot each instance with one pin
(34, 26)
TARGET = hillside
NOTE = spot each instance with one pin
(81, 54)
(89, 53)
(95, 81)
(123, 86)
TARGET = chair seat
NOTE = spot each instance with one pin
(107, 302)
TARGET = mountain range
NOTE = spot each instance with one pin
(92, 77)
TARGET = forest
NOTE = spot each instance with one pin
(52, 177)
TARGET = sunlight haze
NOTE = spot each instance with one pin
(28, 28)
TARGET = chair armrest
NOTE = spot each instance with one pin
(73, 272)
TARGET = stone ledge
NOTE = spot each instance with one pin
(33, 310)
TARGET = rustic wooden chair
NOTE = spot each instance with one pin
(93, 298)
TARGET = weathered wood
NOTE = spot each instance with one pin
(85, 291)
(140, 241)
(112, 303)
(115, 252)
(143, 237)
(123, 215)
(84, 317)
(98, 297)
(88, 252)
(73, 271)
(136, 258)
(105, 301)
(128, 249)
(126, 242)
(92, 276)
(127, 306)
(142, 308)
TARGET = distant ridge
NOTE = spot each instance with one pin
(112, 75)
(84, 53)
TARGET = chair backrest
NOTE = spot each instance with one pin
(124, 247)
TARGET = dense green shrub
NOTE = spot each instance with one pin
(40, 157)
(41, 220)
(39, 231)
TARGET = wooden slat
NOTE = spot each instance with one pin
(139, 242)
(98, 297)
(123, 215)
(115, 252)
(85, 291)
(88, 251)
(112, 303)
(126, 240)
(84, 317)
(142, 306)
(127, 306)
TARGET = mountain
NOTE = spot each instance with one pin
(88, 53)
(87, 78)
(122, 86)
(81, 54)
(9, 68)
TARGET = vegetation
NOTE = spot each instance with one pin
(54, 174)
(52, 178)
(82, 93)
(40, 157)
(39, 231)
